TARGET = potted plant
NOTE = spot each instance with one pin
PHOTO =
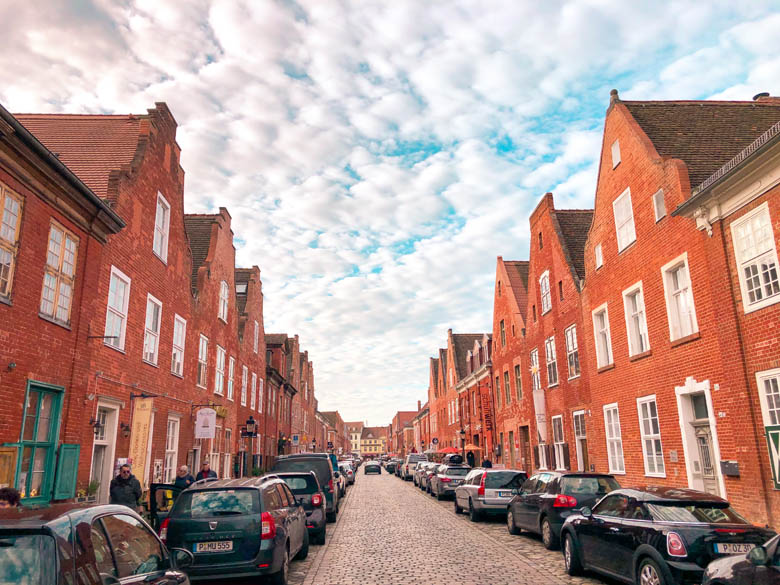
(92, 490)
(257, 472)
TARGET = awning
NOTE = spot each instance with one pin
(448, 450)
(471, 447)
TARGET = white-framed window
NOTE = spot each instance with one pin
(572, 351)
(152, 329)
(580, 439)
(457, 409)
(227, 456)
(179, 338)
(171, 450)
(257, 336)
(598, 256)
(614, 438)
(219, 372)
(162, 222)
(231, 377)
(518, 385)
(253, 393)
(502, 329)
(536, 377)
(602, 336)
(769, 395)
(260, 395)
(624, 220)
(59, 274)
(507, 391)
(659, 205)
(544, 290)
(558, 443)
(542, 450)
(756, 256)
(615, 153)
(224, 293)
(498, 391)
(244, 382)
(636, 321)
(116, 312)
(650, 432)
(203, 357)
(679, 298)
(552, 361)
(11, 206)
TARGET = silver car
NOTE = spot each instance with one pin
(487, 491)
(421, 472)
(446, 478)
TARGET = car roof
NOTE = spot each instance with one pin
(216, 484)
(497, 469)
(577, 474)
(32, 518)
(303, 455)
(664, 494)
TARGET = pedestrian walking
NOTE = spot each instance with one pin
(487, 463)
(125, 489)
(183, 477)
(470, 459)
(10, 498)
(205, 471)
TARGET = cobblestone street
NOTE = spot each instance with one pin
(391, 533)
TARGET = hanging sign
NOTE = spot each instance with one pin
(205, 423)
(139, 434)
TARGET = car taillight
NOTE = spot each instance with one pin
(164, 530)
(316, 500)
(564, 501)
(675, 545)
(481, 490)
(445, 480)
(269, 526)
(330, 485)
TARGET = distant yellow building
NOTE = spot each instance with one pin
(373, 442)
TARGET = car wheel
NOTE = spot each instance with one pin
(474, 516)
(280, 577)
(548, 536)
(650, 573)
(320, 538)
(304, 552)
(458, 509)
(510, 522)
(330, 516)
(438, 495)
(571, 556)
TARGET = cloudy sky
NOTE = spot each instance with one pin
(377, 156)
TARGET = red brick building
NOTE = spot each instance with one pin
(420, 424)
(396, 436)
(475, 395)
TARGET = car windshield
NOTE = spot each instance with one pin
(301, 485)
(27, 560)
(686, 512)
(503, 479)
(573, 486)
(457, 471)
(207, 503)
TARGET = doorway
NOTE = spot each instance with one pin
(103, 450)
(512, 449)
(525, 448)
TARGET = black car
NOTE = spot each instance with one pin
(546, 499)
(390, 466)
(238, 528)
(322, 466)
(307, 490)
(372, 467)
(99, 545)
(657, 535)
(761, 566)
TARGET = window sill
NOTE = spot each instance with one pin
(177, 375)
(606, 368)
(639, 356)
(218, 393)
(573, 378)
(223, 320)
(6, 301)
(617, 472)
(148, 363)
(54, 321)
(551, 386)
(656, 475)
(160, 258)
(627, 246)
(199, 386)
(119, 349)
(686, 339)
(768, 302)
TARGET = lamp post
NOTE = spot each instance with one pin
(251, 432)
(462, 434)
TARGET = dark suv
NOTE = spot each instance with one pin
(238, 528)
(307, 490)
(545, 500)
(322, 466)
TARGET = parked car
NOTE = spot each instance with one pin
(348, 472)
(308, 493)
(761, 566)
(70, 543)
(545, 500)
(321, 464)
(420, 470)
(398, 467)
(372, 467)
(390, 466)
(428, 473)
(445, 478)
(409, 465)
(656, 535)
(239, 528)
(487, 491)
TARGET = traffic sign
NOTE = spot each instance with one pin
(435, 441)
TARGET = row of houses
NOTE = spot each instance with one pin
(640, 337)
(128, 333)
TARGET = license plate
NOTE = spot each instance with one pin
(213, 547)
(504, 494)
(454, 483)
(733, 548)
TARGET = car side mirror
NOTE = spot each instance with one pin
(758, 556)
(182, 558)
(587, 512)
(336, 475)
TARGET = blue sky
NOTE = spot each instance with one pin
(377, 156)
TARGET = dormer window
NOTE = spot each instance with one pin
(224, 292)
(162, 221)
(241, 288)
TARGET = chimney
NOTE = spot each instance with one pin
(419, 406)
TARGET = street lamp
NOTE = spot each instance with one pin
(462, 434)
(251, 426)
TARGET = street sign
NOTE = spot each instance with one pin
(295, 440)
(435, 441)
(330, 444)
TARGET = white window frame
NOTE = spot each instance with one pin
(651, 437)
(624, 225)
(227, 472)
(59, 274)
(507, 389)
(614, 439)
(572, 351)
(201, 377)
(768, 255)
(118, 312)
(11, 207)
(518, 372)
(551, 361)
(260, 394)
(161, 228)
(602, 360)
(244, 382)
(224, 294)
(675, 321)
(659, 205)
(219, 371)
(536, 376)
(253, 395)
(257, 336)
(578, 446)
(231, 377)
(598, 255)
(544, 291)
(767, 409)
(615, 148)
(152, 336)
(636, 321)
(177, 345)
(558, 443)
(544, 465)
(170, 463)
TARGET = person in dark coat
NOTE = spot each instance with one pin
(205, 471)
(183, 478)
(470, 459)
(125, 489)
(10, 498)
(487, 463)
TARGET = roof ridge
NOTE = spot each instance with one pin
(71, 115)
(573, 210)
(702, 102)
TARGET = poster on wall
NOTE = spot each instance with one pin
(157, 474)
(139, 434)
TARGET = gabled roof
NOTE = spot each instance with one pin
(242, 276)
(92, 146)
(435, 368)
(443, 365)
(198, 228)
(275, 338)
(373, 433)
(517, 272)
(704, 134)
(462, 343)
(332, 417)
(354, 425)
(574, 225)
